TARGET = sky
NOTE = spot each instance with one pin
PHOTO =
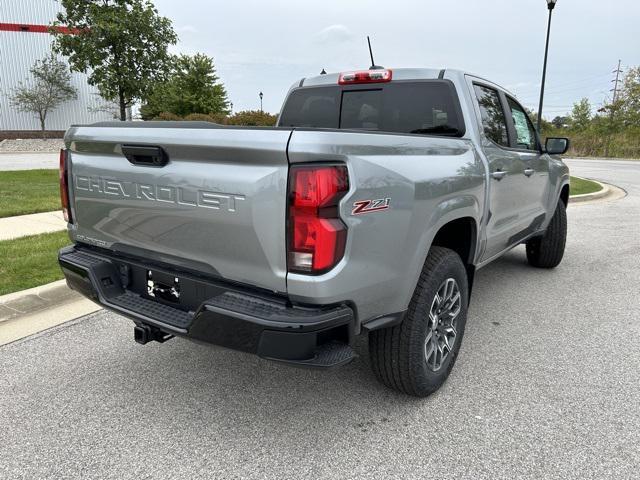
(270, 44)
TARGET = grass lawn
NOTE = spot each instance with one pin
(28, 191)
(30, 261)
(580, 186)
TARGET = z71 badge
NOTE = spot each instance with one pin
(368, 206)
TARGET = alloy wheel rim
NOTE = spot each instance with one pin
(442, 325)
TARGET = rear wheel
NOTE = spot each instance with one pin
(416, 356)
(547, 251)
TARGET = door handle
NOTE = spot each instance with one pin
(529, 171)
(499, 174)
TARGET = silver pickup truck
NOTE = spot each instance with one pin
(367, 209)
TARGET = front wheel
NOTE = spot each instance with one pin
(416, 356)
(547, 251)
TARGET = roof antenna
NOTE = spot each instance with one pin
(373, 64)
(323, 72)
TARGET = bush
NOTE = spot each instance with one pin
(199, 117)
(220, 118)
(594, 143)
(168, 116)
(252, 118)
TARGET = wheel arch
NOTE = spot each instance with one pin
(461, 236)
(564, 194)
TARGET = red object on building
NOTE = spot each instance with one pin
(27, 34)
(21, 27)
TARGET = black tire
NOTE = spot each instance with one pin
(547, 251)
(399, 354)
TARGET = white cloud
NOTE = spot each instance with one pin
(186, 29)
(334, 33)
(517, 85)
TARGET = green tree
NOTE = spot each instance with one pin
(191, 87)
(545, 124)
(581, 115)
(51, 86)
(560, 121)
(121, 44)
(630, 97)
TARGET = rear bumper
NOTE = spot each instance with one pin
(230, 316)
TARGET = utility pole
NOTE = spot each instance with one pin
(613, 107)
(617, 71)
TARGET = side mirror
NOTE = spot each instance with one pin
(556, 146)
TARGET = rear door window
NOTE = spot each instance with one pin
(427, 107)
(494, 122)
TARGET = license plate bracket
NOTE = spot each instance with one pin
(163, 286)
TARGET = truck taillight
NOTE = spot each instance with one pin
(316, 235)
(365, 76)
(64, 187)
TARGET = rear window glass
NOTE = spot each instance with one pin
(429, 107)
(312, 107)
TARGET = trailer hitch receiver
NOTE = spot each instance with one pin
(144, 334)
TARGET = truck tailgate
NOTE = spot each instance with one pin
(218, 206)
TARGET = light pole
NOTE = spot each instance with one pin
(550, 4)
(260, 95)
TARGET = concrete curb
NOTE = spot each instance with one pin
(32, 300)
(603, 192)
(30, 311)
(606, 193)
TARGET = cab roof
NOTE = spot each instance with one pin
(399, 74)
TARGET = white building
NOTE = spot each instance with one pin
(24, 38)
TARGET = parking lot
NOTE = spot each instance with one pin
(547, 385)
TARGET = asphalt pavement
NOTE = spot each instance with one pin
(547, 385)
(28, 161)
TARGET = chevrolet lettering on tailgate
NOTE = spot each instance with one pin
(158, 193)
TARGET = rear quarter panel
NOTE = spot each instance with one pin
(429, 181)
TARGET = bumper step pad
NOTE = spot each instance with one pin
(333, 354)
(157, 311)
(271, 311)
